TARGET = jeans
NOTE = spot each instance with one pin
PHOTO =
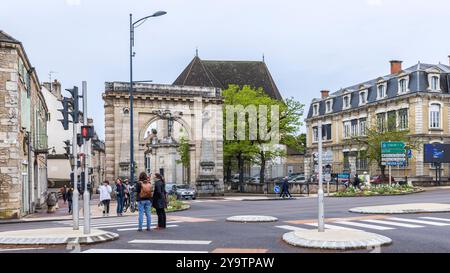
(161, 217)
(106, 206)
(144, 207)
(70, 206)
(119, 204)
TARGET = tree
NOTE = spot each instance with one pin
(376, 134)
(183, 150)
(260, 147)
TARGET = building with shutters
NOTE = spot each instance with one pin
(416, 98)
(23, 133)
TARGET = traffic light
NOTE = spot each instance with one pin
(65, 113)
(80, 140)
(75, 104)
(67, 147)
(87, 132)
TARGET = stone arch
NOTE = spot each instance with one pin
(184, 124)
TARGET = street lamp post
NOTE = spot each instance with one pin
(132, 27)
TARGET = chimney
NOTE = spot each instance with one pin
(325, 94)
(56, 90)
(396, 66)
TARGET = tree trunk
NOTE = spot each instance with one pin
(241, 172)
(262, 170)
(383, 171)
(228, 173)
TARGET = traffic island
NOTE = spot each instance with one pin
(334, 239)
(55, 236)
(404, 209)
(252, 219)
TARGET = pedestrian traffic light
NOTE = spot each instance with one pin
(67, 147)
(65, 113)
(75, 103)
(87, 132)
(80, 140)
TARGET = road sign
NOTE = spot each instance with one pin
(327, 177)
(276, 189)
(393, 153)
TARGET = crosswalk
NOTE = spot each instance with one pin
(386, 223)
(153, 245)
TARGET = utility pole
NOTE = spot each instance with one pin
(86, 194)
(76, 194)
(321, 224)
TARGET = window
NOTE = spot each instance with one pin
(329, 106)
(347, 126)
(381, 122)
(362, 126)
(354, 127)
(315, 109)
(361, 160)
(391, 121)
(346, 161)
(402, 86)
(403, 119)
(435, 115)
(362, 97)
(346, 102)
(435, 83)
(315, 134)
(326, 132)
(381, 91)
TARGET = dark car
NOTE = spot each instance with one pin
(181, 191)
(378, 179)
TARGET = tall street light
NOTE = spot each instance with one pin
(132, 27)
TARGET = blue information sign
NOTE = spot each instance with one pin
(276, 189)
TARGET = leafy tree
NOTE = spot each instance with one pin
(183, 150)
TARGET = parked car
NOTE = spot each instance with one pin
(378, 179)
(235, 178)
(292, 175)
(181, 191)
(298, 179)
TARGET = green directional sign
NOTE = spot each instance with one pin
(393, 153)
(393, 145)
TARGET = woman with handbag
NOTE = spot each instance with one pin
(160, 200)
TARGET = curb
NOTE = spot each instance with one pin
(252, 219)
(372, 241)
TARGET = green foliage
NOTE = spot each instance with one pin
(378, 190)
(174, 204)
(183, 150)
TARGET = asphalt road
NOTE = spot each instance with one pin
(203, 228)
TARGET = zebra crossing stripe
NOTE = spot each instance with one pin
(135, 228)
(363, 225)
(327, 226)
(171, 242)
(389, 223)
(127, 225)
(97, 250)
(419, 222)
(291, 228)
(436, 219)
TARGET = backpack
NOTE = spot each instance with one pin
(146, 191)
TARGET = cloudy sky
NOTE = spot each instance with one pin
(308, 45)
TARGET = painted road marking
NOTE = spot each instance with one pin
(363, 225)
(292, 228)
(436, 219)
(151, 227)
(126, 225)
(419, 222)
(330, 226)
(240, 250)
(20, 249)
(389, 223)
(97, 250)
(171, 242)
(328, 220)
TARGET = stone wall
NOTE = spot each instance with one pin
(294, 188)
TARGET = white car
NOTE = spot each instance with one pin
(298, 179)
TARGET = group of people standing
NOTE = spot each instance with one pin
(148, 195)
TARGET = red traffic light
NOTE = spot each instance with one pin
(87, 132)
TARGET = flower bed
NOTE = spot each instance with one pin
(379, 190)
(174, 205)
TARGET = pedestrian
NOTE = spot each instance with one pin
(63, 191)
(160, 200)
(357, 182)
(144, 198)
(126, 201)
(120, 196)
(367, 179)
(69, 196)
(285, 188)
(105, 197)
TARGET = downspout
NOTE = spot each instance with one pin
(30, 185)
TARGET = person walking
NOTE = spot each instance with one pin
(357, 182)
(144, 198)
(285, 188)
(63, 191)
(126, 200)
(69, 196)
(120, 196)
(105, 197)
(160, 200)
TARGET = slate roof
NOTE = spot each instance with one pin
(4, 37)
(220, 74)
(418, 82)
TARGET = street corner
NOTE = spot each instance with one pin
(403, 209)
(335, 239)
(55, 236)
(252, 219)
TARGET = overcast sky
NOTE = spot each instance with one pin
(308, 45)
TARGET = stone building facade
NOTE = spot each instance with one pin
(162, 115)
(415, 99)
(23, 133)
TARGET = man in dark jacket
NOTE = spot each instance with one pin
(285, 188)
(120, 195)
(160, 200)
(69, 196)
